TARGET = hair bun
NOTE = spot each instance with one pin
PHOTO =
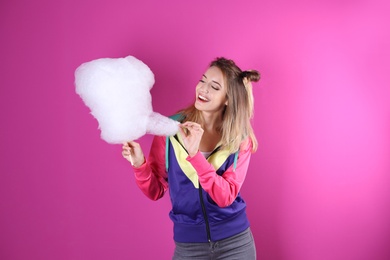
(251, 75)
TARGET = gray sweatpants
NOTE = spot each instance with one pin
(240, 247)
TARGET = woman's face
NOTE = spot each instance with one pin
(211, 91)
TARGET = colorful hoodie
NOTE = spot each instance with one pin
(206, 203)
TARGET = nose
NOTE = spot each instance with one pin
(204, 88)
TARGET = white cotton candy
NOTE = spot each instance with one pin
(117, 91)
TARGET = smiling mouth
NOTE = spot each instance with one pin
(202, 98)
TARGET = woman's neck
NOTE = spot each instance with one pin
(211, 135)
(212, 122)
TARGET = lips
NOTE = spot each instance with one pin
(203, 98)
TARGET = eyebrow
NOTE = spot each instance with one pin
(213, 81)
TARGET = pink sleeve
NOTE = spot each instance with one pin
(223, 189)
(151, 176)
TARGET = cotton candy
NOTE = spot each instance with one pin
(117, 91)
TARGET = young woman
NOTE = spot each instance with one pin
(204, 166)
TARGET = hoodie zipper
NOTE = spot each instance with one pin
(206, 219)
(205, 216)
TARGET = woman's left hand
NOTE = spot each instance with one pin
(192, 138)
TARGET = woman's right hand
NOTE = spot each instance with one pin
(132, 152)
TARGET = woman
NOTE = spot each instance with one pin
(204, 166)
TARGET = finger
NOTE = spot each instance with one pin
(181, 130)
(190, 124)
(187, 125)
(133, 144)
(189, 130)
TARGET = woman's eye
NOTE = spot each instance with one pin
(216, 88)
(201, 80)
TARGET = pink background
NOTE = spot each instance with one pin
(317, 189)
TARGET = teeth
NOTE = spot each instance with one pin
(202, 97)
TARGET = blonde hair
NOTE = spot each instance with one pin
(236, 119)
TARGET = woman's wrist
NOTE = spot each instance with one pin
(192, 154)
(138, 164)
